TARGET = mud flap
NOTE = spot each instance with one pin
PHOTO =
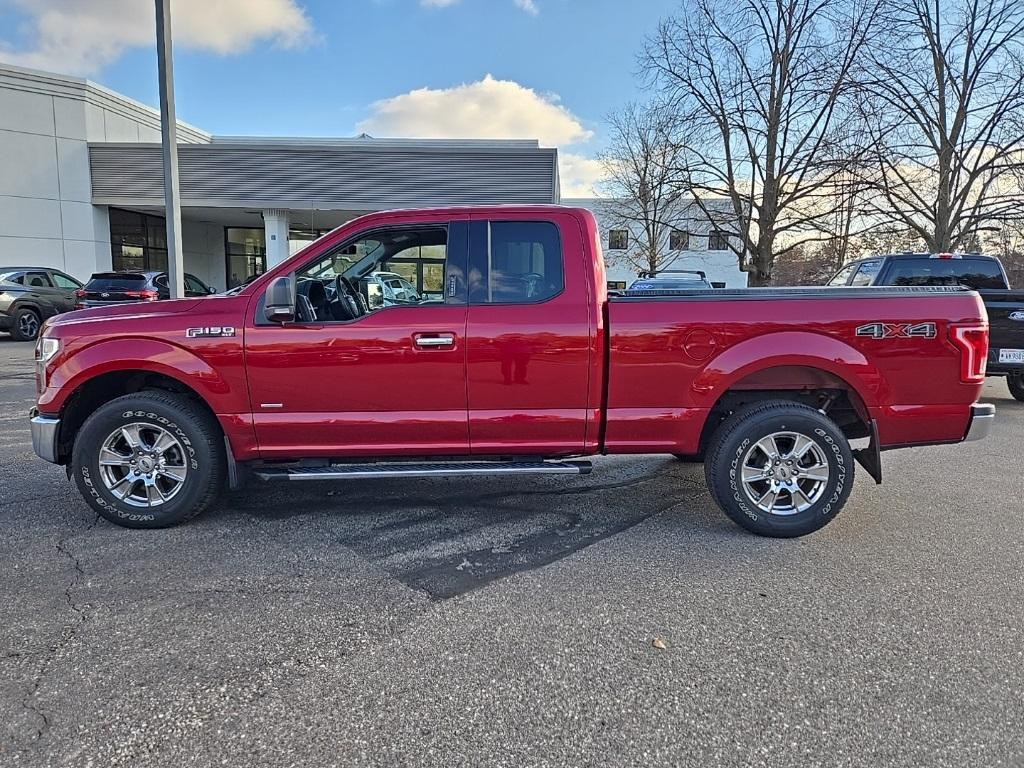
(871, 457)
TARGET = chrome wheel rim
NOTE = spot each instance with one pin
(142, 465)
(784, 473)
(28, 325)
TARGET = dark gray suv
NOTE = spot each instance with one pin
(29, 295)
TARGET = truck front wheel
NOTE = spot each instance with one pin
(1016, 384)
(149, 460)
(779, 468)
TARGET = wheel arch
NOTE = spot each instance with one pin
(97, 390)
(810, 367)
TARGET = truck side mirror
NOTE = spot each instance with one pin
(279, 301)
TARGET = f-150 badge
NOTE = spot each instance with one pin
(898, 330)
(210, 332)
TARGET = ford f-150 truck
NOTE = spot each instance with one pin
(518, 363)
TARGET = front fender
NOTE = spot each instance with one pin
(79, 365)
(789, 348)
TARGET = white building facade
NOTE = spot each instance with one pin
(693, 243)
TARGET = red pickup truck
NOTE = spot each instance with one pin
(511, 359)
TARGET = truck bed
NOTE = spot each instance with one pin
(672, 354)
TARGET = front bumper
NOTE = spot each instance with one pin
(982, 417)
(45, 431)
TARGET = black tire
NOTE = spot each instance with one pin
(199, 445)
(1015, 381)
(735, 443)
(26, 325)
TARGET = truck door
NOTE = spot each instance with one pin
(364, 378)
(528, 335)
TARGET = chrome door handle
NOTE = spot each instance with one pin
(438, 340)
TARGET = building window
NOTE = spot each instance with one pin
(138, 241)
(618, 239)
(678, 240)
(245, 253)
(718, 240)
(299, 238)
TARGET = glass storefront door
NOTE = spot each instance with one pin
(245, 252)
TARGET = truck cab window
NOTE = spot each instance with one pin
(972, 273)
(520, 263)
(842, 275)
(867, 272)
(404, 267)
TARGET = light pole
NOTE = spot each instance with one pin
(169, 137)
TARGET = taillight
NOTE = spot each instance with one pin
(146, 295)
(80, 293)
(972, 341)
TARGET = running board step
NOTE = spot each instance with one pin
(425, 469)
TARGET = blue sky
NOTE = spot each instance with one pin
(319, 68)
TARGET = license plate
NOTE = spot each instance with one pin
(1011, 355)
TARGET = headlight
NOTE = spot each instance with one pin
(46, 348)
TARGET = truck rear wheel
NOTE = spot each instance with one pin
(779, 468)
(149, 460)
(1016, 383)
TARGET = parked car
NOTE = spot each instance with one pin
(984, 274)
(671, 280)
(29, 295)
(525, 365)
(387, 289)
(105, 288)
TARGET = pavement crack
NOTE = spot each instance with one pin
(67, 633)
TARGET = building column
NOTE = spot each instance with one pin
(275, 230)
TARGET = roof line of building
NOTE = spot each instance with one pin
(68, 87)
(374, 142)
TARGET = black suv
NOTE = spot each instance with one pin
(29, 295)
(106, 288)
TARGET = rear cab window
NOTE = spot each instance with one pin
(978, 274)
(515, 262)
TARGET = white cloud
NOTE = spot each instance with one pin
(487, 109)
(529, 6)
(490, 109)
(437, 3)
(83, 36)
(578, 175)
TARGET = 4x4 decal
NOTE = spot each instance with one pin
(898, 330)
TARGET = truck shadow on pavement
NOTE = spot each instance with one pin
(448, 536)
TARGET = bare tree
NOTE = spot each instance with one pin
(944, 102)
(765, 86)
(639, 166)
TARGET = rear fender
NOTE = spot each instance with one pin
(789, 348)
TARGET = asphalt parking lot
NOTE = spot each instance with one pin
(475, 622)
